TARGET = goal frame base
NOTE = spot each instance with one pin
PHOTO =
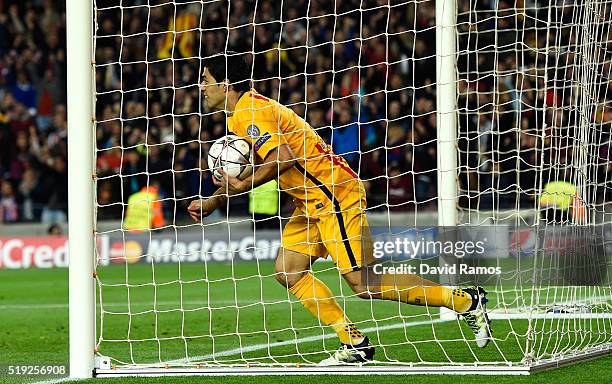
(510, 369)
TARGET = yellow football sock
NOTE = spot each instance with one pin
(416, 290)
(316, 297)
(347, 332)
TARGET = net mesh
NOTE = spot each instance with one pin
(533, 107)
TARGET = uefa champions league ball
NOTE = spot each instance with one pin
(232, 154)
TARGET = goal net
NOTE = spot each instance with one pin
(532, 149)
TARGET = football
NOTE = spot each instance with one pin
(232, 154)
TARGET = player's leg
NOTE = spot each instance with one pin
(348, 240)
(334, 241)
(301, 246)
(412, 289)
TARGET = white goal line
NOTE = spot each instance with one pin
(499, 316)
(159, 303)
(594, 300)
(301, 340)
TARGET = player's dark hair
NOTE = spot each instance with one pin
(231, 66)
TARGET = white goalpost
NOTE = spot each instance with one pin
(487, 120)
(79, 33)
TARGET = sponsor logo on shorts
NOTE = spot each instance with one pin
(266, 136)
(253, 131)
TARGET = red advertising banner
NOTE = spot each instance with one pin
(121, 248)
(33, 252)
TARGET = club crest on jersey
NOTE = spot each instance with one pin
(266, 136)
(253, 131)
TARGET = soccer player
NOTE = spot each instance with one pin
(329, 216)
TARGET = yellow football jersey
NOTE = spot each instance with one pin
(320, 178)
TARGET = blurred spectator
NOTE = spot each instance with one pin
(50, 93)
(345, 137)
(9, 211)
(144, 209)
(24, 91)
(30, 195)
(400, 196)
(54, 230)
(56, 188)
(263, 205)
(396, 143)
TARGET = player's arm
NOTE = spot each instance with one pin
(275, 163)
(203, 207)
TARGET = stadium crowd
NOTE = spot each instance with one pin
(33, 128)
(363, 78)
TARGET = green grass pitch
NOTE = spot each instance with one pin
(192, 311)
